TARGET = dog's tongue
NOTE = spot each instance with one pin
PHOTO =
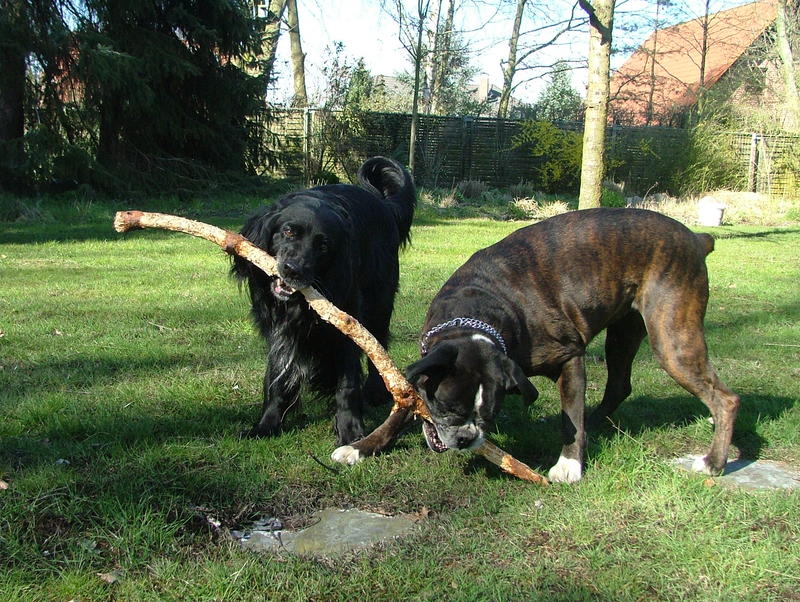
(282, 288)
(432, 438)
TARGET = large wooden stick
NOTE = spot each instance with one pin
(405, 396)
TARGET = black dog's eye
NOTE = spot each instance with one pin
(288, 232)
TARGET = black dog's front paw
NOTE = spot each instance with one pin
(348, 429)
(262, 430)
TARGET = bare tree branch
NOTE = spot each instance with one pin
(405, 396)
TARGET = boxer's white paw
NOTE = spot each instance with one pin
(566, 470)
(700, 465)
(346, 454)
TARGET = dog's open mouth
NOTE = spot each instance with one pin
(282, 290)
(432, 437)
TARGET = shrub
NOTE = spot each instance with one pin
(610, 197)
(531, 208)
(712, 162)
(438, 197)
(556, 155)
(16, 210)
(525, 206)
(522, 190)
(471, 189)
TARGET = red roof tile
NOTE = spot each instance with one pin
(678, 54)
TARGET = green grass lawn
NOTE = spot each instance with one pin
(129, 367)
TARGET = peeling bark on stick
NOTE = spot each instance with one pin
(405, 396)
(509, 463)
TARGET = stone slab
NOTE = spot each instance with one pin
(752, 474)
(335, 533)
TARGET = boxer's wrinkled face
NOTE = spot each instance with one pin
(463, 381)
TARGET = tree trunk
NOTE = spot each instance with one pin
(653, 58)
(601, 19)
(788, 73)
(704, 47)
(272, 32)
(510, 69)
(422, 13)
(12, 79)
(443, 59)
(109, 149)
(429, 69)
(298, 57)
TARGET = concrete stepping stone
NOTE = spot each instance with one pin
(335, 533)
(752, 474)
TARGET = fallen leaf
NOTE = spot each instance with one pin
(111, 576)
(57, 332)
(90, 545)
(709, 482)
(3, 485)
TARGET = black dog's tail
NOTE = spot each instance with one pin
(388, 180)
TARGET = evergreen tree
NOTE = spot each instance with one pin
(13, 46)
(161, 77)
(33, 50)
(132, 86)
(559, 101)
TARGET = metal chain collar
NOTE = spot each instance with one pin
(462, 323)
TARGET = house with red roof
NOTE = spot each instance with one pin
(666, 75)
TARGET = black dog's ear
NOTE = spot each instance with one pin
(434, 364)
(258, 230)
(515, 380)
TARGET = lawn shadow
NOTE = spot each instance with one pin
(725, 234)
(80, 373)
(185, 464)
(97, 224)
(538, 442)
(638, 415)
(790, 311)
(161, 415)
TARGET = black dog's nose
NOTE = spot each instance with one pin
(291, 270)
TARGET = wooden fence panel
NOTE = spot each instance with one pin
(645, 159)
(451, 149)
(770, 163)
(288, 143)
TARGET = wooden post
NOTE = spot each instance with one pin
(308, 116)
(752, 166)
(467, 124)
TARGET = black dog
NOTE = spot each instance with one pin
(344, 241)
(530, 304)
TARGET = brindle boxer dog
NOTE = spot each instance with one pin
(530, 304)
(535, 300)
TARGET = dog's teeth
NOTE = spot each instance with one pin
(432, 438)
